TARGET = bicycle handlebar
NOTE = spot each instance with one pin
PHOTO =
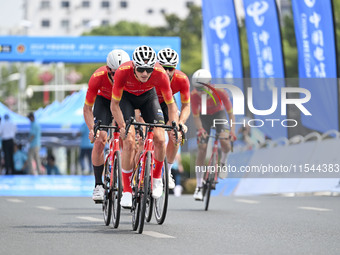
(183, 134)
(132, 121)
(98, 126)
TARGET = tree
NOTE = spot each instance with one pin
(11, 88)
(189, 30)
(336, 7)
(289, 47)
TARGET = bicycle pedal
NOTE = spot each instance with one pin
(98, 202)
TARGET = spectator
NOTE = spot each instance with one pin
(20, 160)
(85, 149)
(244, 136)
(34, 148)
(51, 168)
(7, 131)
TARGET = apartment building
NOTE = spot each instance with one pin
(73, 17)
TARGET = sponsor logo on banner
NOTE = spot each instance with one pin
(222, 40)
(5, 48)
(265, 56)
(316, 47)
(219, 24)
(310, 3)
(21, 48)
(256, 11)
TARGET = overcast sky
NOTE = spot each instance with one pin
(11, 13)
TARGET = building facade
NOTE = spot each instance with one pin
(73, 17)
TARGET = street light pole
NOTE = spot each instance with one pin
(22, 89)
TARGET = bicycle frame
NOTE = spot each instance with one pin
(114, 146)
(148, 146)
(114, 143)
(213, 155)
(112, 175)
(143, 173)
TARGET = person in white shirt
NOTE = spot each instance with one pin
(7, 132)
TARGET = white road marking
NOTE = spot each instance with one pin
(90, 219)
(14, 200)
(156, 234)
(46, 208)
(246, 201)
(315, 209)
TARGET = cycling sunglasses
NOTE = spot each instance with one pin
(143, 69)
(170, 68)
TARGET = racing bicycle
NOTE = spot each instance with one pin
(210, 178)
(112, 175)
(141, 180)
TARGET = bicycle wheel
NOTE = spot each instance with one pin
(135, 209)
(116, 191)
(107, 203)
(144, 193)
(209, 183)
(149, 204)
(161, 204)
(208, 191)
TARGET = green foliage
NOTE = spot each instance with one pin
(289, 47)
(122, 28)
(189, 30)
(336, 8)
(186, 161)
(86, 70)
(8, 88)
(32, 74)
(244, 50)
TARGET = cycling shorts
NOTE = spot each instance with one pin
(102, 111)
(165, 110)
(208, 122)
(147, 103)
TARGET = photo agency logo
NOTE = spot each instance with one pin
(238, 99)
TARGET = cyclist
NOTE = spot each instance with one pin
(133, 88)
(179, 82)
(204, 122)
(97, 107)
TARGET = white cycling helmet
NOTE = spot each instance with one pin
(115, 58)
(167, 57)
(144, 56)
(201, 76)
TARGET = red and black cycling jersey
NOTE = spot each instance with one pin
(99, 84)
(179, 83)
(212, 106)
(126, 80)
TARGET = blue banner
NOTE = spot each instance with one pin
(46, 185)
(222, 39)
(314, 30)
(266, 59)
(84, 49)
